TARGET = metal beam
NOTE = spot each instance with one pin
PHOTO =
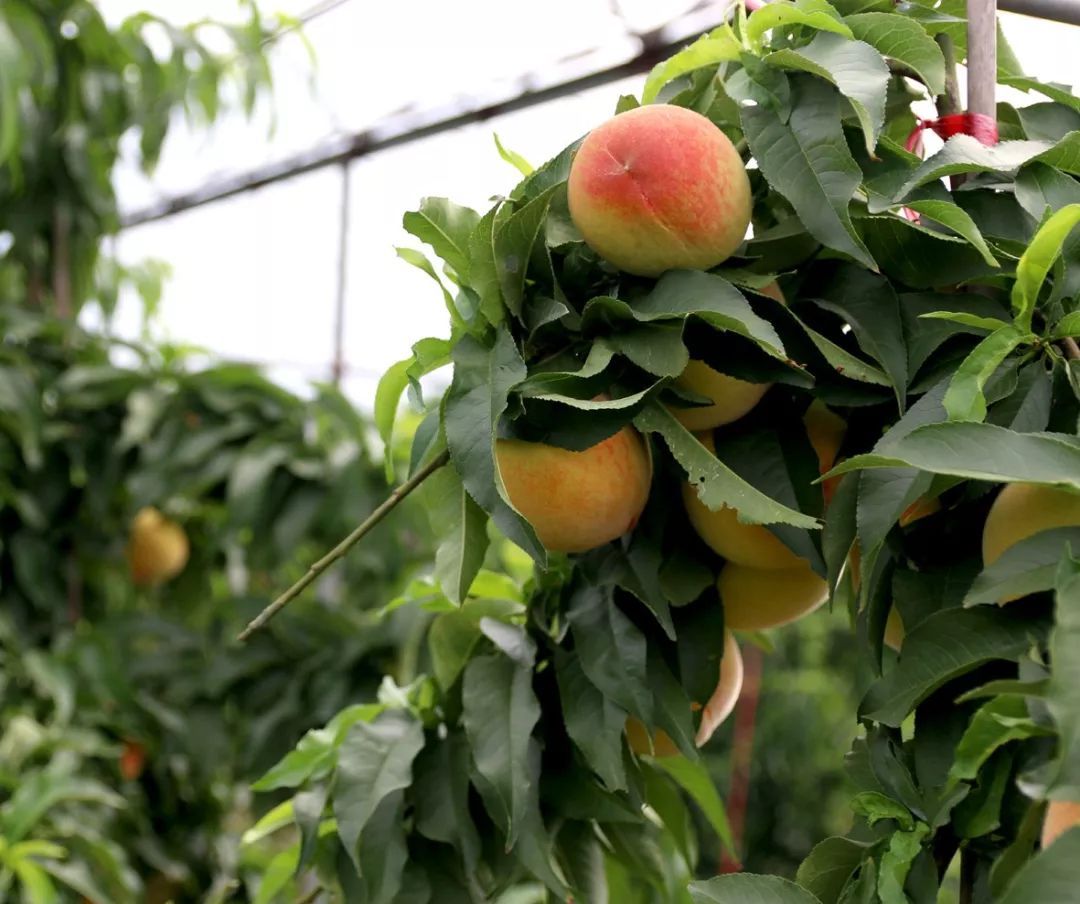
(1067, 11)
(393, 132)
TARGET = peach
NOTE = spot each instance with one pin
(745, 544)
(577, 501)
(826, 430)
(759, 598)
(645, 744)
(722, 702)
(720, 705)
(1022, 510)
(657, 188)
(752, 545)
(1061, 815)
(894, 630)
(157, 549)
(731, 397)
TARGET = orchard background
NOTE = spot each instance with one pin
(746, 422)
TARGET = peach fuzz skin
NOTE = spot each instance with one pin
(1061, 815)
(577, 501)
(659, 188)
(758, 598)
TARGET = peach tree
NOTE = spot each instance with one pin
(738, 353)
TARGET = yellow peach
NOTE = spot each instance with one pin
(757, 598)
(577, 501)
(157, 548)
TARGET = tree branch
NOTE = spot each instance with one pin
(1071, 349)
(344, 546)
(949, 102)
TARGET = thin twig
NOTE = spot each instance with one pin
(1071, 349)
(949, 102)
(344, 546)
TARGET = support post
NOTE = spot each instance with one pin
(337, 368)
(982, 57)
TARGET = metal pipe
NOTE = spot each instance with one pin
(1067, 11)
(391, 132)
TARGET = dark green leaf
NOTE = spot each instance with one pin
(807, 160)
(446, 227)
(744, 888)
(500, 713)
(374, 762)
(980, 452)
(903, 40)
(946, 645)
(716, 484)
(854, 67)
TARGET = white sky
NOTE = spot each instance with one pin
(254, 277)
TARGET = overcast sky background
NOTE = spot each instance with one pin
(255, 276)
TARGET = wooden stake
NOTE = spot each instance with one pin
(982, 57)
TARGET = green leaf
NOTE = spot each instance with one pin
(964, 154)
(38, 793)
(917, 256)
(483, 274)
(980, 452)
(694, 778)
(514, 238)
(1050, 877)
(446, 227)
(276, 875)
(956, 219)
(718, 46)
(829, 866)
(745, 888)
(37, 887)
(594, 722)
(873, 806)
(473, 406)
(1001, 721)
(942, 647)
(383, 851)
(461, 526)
(896, 863)
(512, 157)
(1067, 326)
(374, 761)
(964, 400)
(813, 14)
(975, 321)
(1063, 694)
(613, 652)
(1026, 567)
(270, 822)
(904, 40)
(499, 715)
(679, 294)
(717, 485)
(870, 306)
(315, 752)
(807, 160)
(1037, 260)
(854, 67)
(1060, 93)
(441, 796)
